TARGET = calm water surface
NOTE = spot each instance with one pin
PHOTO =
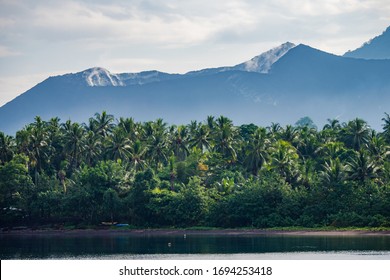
(193, 247)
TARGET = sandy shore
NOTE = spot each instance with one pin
(165, 232)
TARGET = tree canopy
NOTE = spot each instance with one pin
(210, 173)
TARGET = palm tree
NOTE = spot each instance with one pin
(223, 121)
(93, 148)
(201, 138)
(386, 127)
(179, 141)
(102, 124)
(257, 151)
(210, 122)
(333, 124)
(361, 167)
(137, 156)
(289, 134)
(284, 160)
(74, 142)
(37, 145)
(306, 141)
(159, 126)
(357, 134)
(331, 150)
(155, 136)
(54, 141)
(7, 148)
(225, 140)
(129, 127)
(378, 149)
(118, 145)
(193, 126)
(331, 131)
(274, 130)
(333, 172)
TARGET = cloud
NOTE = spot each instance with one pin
(174, 35)
(176, 24)
(6, 52)
(169, 22)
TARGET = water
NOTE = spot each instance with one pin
(124, 246)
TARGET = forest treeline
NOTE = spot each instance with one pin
(209, 173)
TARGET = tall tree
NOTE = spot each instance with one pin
(257, 151)
(357, 134)
(74, 144)
(179, 142)
(37, 145)
(201, 138)
(7, 148)
(361, 167)
(118, 145)
(386, 127)
(284, 160)
(138, 153)
(333, 173)
(102, 123)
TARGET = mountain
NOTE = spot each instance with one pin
(376, 48)
(281, 85)
(100, 77)
(260, 64)
(263, 63)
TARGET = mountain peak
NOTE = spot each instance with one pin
(263, 62)
(376, 48)
(98, 76)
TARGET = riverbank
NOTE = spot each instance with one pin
(187, 232)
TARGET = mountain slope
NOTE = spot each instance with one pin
(264, 62)
(302, 81)
(100, 77)
(260, 64)
(376, 48)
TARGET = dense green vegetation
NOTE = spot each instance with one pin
(209, 173)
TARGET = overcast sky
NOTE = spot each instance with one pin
(44, 38)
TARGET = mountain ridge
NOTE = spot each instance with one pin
(376, 48)
(295, 81)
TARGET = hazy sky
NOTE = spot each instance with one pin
(44, 38)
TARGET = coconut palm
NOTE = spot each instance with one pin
(357, 134)
(74, 142)
(158, 150)
(361, 167)
(129, 127)
(201, 138)
(257, 151)
(102, 124)
(138, 153)
(93, 148)
(7, 147)
(210, 122)
(118, 145)
(225, 139)
(333, 172)
(386, 127)
(289, 134)
(378, 149)
(274, 130)
(284, 160)
(306, 141)
(37, 145)
(179, 141)
(331, 150)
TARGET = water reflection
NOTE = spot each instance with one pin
(192, 246)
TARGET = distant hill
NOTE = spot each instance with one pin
(281, 85)
(376, 48)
